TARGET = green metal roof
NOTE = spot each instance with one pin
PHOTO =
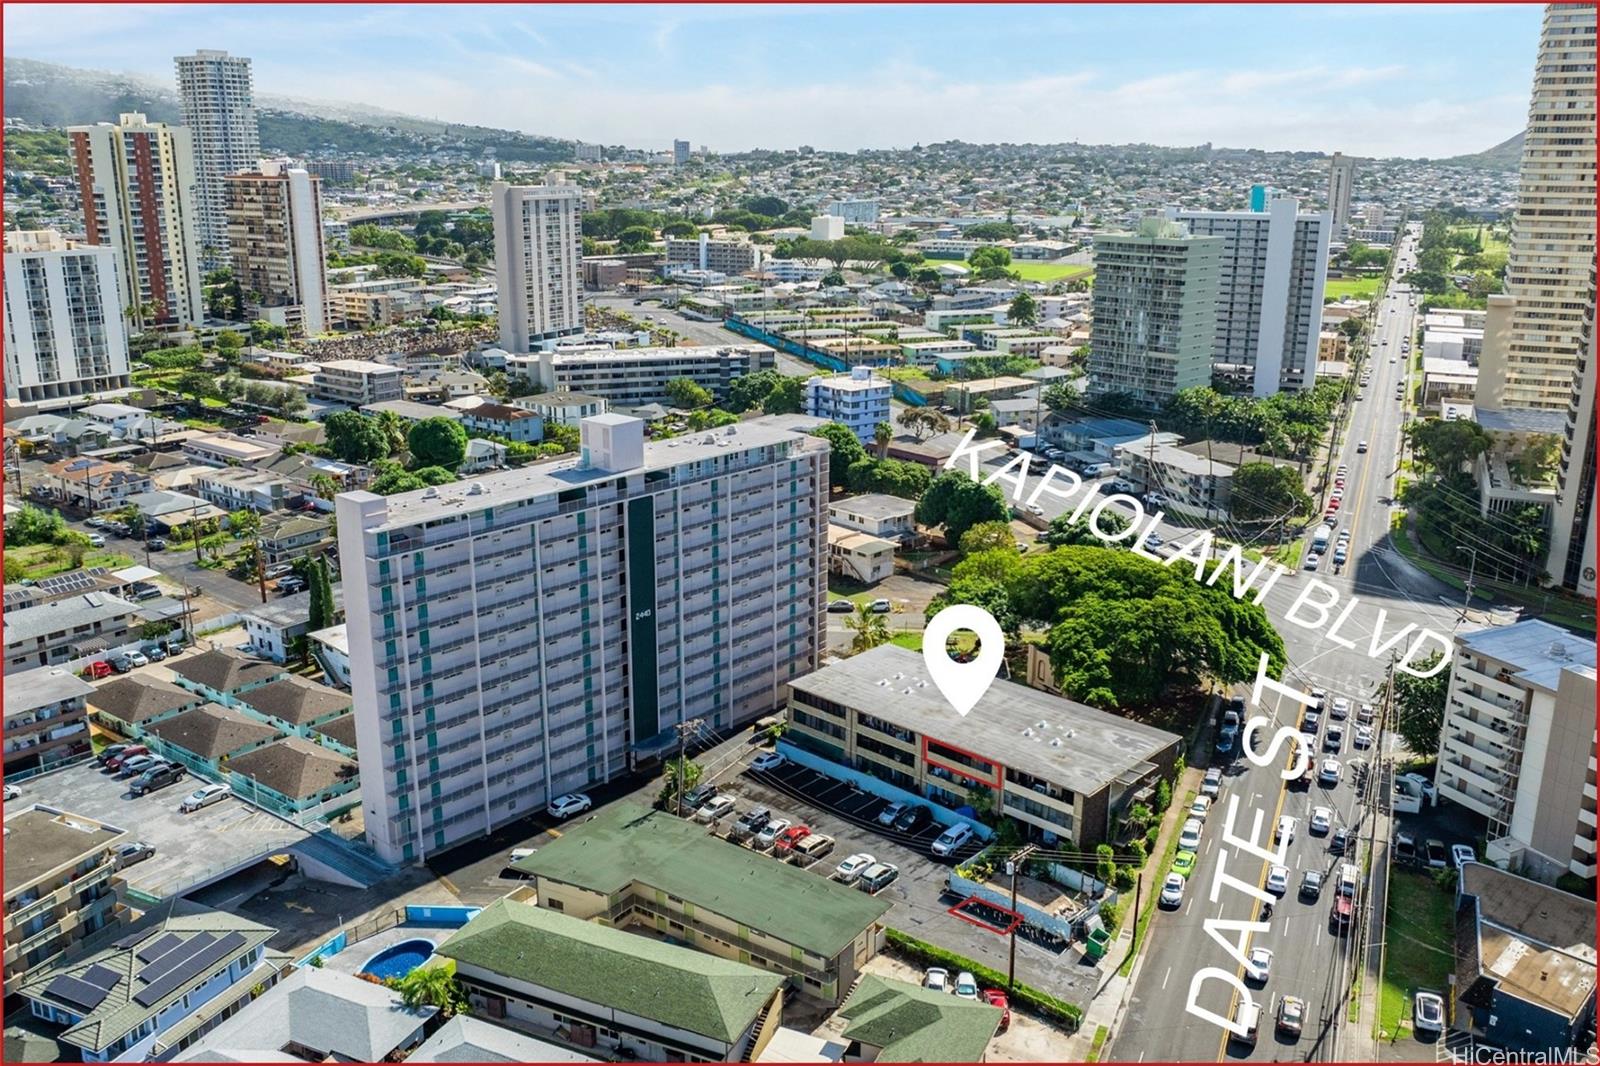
(625, 843)
(680, 987)
(914, 1024)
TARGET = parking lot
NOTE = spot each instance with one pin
(189, 848)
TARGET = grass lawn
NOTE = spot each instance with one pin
(1364, 288)
(45, 560)
(907, 640)
(1290, 555)
(1035, 270)
(1099, 1042)
(1418, 945)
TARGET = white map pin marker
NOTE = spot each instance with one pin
(963, 684)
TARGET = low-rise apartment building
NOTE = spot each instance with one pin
(859, 556)
(857, 401)
(59, 886)
(504, 420)
(95, 484)
(634, 377)
(46, 718)
(228, 449)
(1190, 482)
(630, 866)
(878, 514)
(1518, 744)
(243, 488)
(703, 253)
(357, 381)
(1061, 769)
(565, 408)
(53, 633)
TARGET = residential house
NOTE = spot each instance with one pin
(482, 455)
(284, 537)
(165, 511)
(410, 411)
(465, 1038)
(230, 449)
(623, 995)
(222, 674)
(273, 628)
(128, 705)
(567, 408)
(858, 556)
(295, 705)
(283, 433)
(504, 420)
(294, 775)
(892, 1021)
(206, 738)
(241, 488)
(46, 718)
(95, 484)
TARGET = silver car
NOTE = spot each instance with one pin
(204, 797)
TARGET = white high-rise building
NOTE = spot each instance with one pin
(64, 335)
(547, 629)
(1341, 176)
(137, 182)
(1573, 536)
(538, 262)
(218, 101)
(680, 153)
(1269, 300)
(1155, 311)
(1553, 229)
(276, 243)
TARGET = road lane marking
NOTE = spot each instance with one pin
(1165, 979)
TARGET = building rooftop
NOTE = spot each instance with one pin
(626, 843)
(410, 410)
(296, 700)
(224, 670)
(499, 412)
(560, 398)
(41, 839)
(341, 729)
(30, 623)
(647, 978)
(344, 1017)
(468, 1039)
(120, 1011)
(878, 505)
(294, 767)
(137, 699)
(541, 479)
(1537, 650)
(211, 731)
(28, 689)
(913, 1024)
(1536, 942)
(1170, 455)
(1522, 420)
(1047, 736)
(359, 366)
(284, 525)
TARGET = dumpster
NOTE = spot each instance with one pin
(1098, 943)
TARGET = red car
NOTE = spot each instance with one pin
(1343, 908)
(1333, 504)
(996, 998)
(97, 670)
(789, 838)
(116, 761)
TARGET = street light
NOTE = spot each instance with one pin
(1472, 570)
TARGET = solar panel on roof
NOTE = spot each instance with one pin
(102, 976)
(175, 957)
(134, 938)
(187, 971)
(152, 952)
(80, 994)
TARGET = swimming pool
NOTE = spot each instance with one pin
(397, 960)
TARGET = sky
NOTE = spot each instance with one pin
(1371, 80)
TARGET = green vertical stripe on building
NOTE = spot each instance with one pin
(642, 620)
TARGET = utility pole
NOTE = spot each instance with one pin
(684, 729)
(1014, 867)
(194, 528)
(261, 566)
(1472, 571)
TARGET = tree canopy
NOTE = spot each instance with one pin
(958, 503)
(355, 438)
(1264, 491)
(686, 395)
(845, 451)
(1419, 706)
(438, 442)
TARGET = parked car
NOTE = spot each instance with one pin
(96, 540)
(698, 796)
(1427, 1013)
(1189, 836)
(12, 792)
(153, 652)
(156, 544)
(966, 986)
(97, 670)
(1461, 854)
(277, 570)
(109, 752)
(1438, 857)
(879, 607)
(1341, 707)
(789, 838)
(767, 760)
(811, 847)
(1183, 863)
(1340, 841)
(1333, 739)
(751, 822)
(913, 818)
(1212, 783)
(138, 659)
(887, 816)
(121, 664)
(768, 835)
(717, 809)
(290, 585)
(1172, 891)
(126, 752)
(1405, 847)
(207, 795)
(137, 765)
(1329, 773)
(1200, 808)
(132, 852)
(159, 776)
(996, 998)
(936, 979)
(951, 840)
(568, 805)
(841, 607)
(878, 877)
(853, 867)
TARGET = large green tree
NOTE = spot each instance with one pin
(889, 476)
(1419, 706)
(845, 451)
(688, 396)
(437, 442)
(1063, 531)
(355, 438)
(1446, 447)
(1267, 491)
(1024, 310)
(958, 503)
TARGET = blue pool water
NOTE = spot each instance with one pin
(397, 960)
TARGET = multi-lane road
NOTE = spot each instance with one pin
(1311, 960)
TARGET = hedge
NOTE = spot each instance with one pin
(1040, 1003)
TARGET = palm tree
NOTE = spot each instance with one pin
(870, 629)
(882, 434)
(432, 986)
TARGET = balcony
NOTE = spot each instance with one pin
(1487, 707)
(41, 938)
(1494, 755)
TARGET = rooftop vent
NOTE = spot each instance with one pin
(430, 493)
(1558, 650)
(883, 683)
(1055, 743)
(1027, 732)
(475, 489)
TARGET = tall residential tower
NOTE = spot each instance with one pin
(538, 262)
(140, 197)
(547, 629)
(1341, 176)
(275, 238)
(218, 102)
(64, 334)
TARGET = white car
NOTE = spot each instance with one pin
(1172, 890)
(951, 839)
(570, 804)
(853, 867)
(966, 986)
(137, 658)
(204, 797)
(1212, 784)
(767, 760)
(1035, 510)
(770, 833)
(1278, 880)
(936, 979)
(1200, 808)
(1428, 1013)
(1189, 838)
(1259, 968)
(1341, 706)
(1460, 854)
(717, 808)
(1363, 736)
(277, 570)
(1321, 820)
(1318, 698)
(1285, 830)
(1329, 773)
(12, 792)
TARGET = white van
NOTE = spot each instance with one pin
(1095, 469)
